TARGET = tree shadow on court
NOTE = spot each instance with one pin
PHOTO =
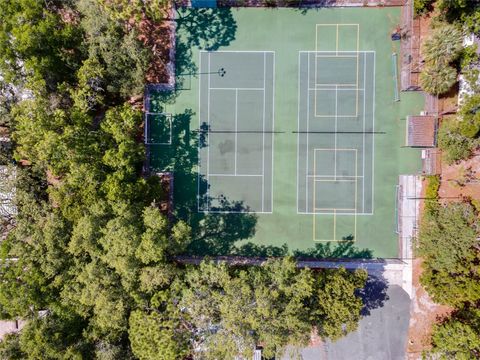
(373, 294)
(212, 234)
(207, 29)
(321, 251)
(345, 250)
(305, 6)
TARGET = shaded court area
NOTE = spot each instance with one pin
(286, 140)
(236, 130)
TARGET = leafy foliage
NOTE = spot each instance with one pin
(437, 78)
(440, 50)
(456, 339)
(454, 144)
(447, 242)
(421, 7)
(231, 310)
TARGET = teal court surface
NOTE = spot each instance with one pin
(289, 126)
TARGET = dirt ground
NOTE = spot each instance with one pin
(461, 180)
(424, 314)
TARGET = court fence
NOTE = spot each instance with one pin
(290, 3)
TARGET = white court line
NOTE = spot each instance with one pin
(331, 176)
(308, 129)
(340, 52)
(208, 127)
(208, 175)
(313, 213)
(199, 126)
(236, 133)
(239, 51)
(373, 130)
(273, 129)
(263, 131)
(298, 132)
(363, 147)
(336, 56)
(235, 88)
(336, 128)
(234, 212)
(250, 175)
(331, 88)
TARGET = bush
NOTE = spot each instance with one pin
(421, 7)
(431, 193)
(469, 57)
(437, 78)
(453, 143)
(444, 46)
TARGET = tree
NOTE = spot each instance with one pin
(154, 336)
(116, 47)
(444, 45)
(455, 340)
(437, 78)
(231, 310)
(336, 306)
(454, 145)
(440, 50)
(34, 40)
(447, 243)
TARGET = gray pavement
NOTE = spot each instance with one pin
(382, 335)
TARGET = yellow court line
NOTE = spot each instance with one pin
(334, 224)
(337, 25)
(335, 209)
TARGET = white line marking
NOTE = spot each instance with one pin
(251, 175)
(238, 51)
(298, 133)
(263, 133)
(340, 52)
(332, 87)
(336, 128)
(208, 126)
(235, 88)
(373, 130)
(273, 129)
(199, 127)
(363, 147)
(331, 176)
(308, 129)
(236, 132)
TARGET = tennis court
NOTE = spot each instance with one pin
(236, 124)
(336, 140)
(288, 133)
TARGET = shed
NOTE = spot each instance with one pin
(422, 131)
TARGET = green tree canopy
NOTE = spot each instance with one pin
(447, 242)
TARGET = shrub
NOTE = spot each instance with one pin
(444, 45)
(453, 143)
(421, 7)
(437, 78)
(431, 193)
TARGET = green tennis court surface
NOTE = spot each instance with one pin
(287, 133)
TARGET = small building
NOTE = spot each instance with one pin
(421, 131)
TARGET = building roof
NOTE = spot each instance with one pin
(421, 131)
